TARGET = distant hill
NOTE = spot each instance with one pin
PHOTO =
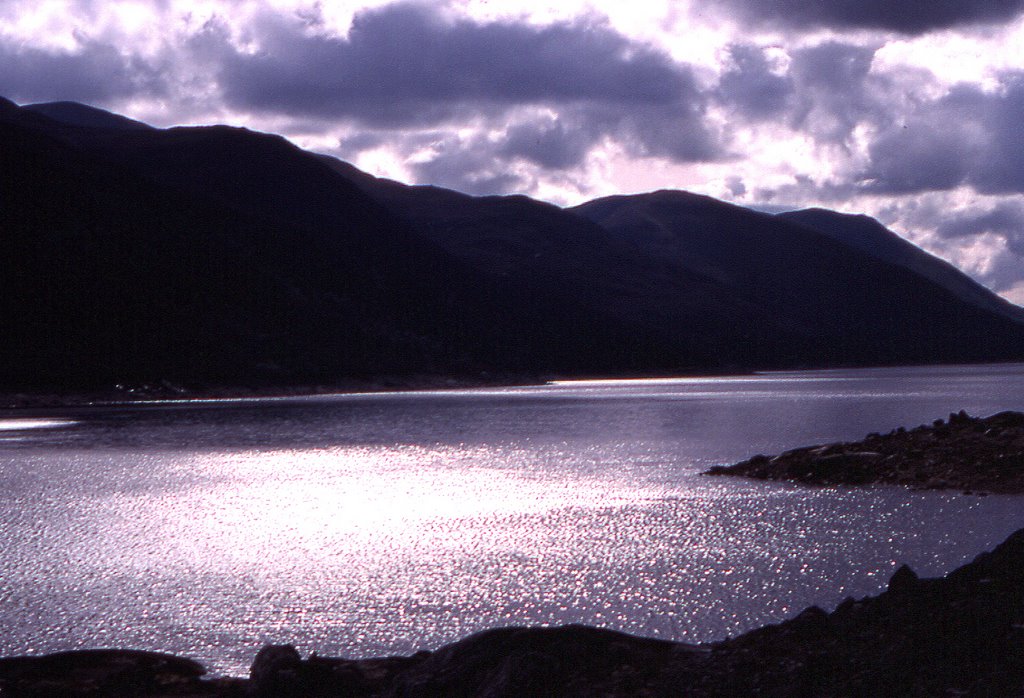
(75, 114)
(217, 257)
(868, 235)
(111, 277)
(844, 304)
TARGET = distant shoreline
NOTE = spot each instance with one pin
(166, 392)
(169, 394)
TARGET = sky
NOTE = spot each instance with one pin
(911, 112)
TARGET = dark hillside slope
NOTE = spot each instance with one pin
(742, 289)
(220, 257)
(217, 256)
(540, 249)
(75, 114)
(868, 235)
(110, 277)
(851, 307)
(508, 322)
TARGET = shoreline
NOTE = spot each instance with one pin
(975, 455)
(954, 635)
(167, 392)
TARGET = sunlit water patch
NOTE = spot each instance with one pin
(23, 424)
(365, 525)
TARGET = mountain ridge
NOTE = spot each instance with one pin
(220, 256)
(867, 234)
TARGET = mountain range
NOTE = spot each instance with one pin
(215, 257)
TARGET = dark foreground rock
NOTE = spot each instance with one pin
(107, 673)
(983, 455)
(961, 635)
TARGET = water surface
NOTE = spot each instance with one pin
(369, 524)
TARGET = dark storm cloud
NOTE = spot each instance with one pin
(924, 156)
(490, 161)
(823, 91)
(540, 95)
(911, 17)
(1005, 219)
(95, 72)
(833, 89)
(1001, 169)
(968, 137)
(551, 143)
(677, 133)
(402, 64)
(473, 166)
(750, 86)
(363, 140)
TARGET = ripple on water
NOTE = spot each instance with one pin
(374, 526)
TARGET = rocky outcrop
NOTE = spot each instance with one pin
(572, 660)
(958, 635)
(964, 453)
(107, 673)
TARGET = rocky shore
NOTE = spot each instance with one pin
(960, 635)
(972, 454)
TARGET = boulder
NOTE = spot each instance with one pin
(275, 672)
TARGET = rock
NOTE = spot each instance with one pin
(811, 615)
(96, 672)
(275, 671)
(959, 418)
(903, 580)
(278, 670)
(853, 467)
(965, 454)
(1008, 419)
(570, 660)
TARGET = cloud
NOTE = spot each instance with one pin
(553, 142)
(516, 150)
(751, 85)
(834, 92)
(533, 96)
(469, 167)
(95, 72)
(1005, 219)
(915, 158)
(524, 95)
(403, 64)
(983, 236)
(968, 137)
(911, 17)
(822, 91)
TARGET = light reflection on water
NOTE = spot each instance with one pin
(365, 525)
(21, 424)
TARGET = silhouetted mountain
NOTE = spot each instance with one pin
(686, 319)
(868, 235)
(521, 331)
(217, 256)
(842, 305)
(221, 257)
(111, 277)
(75, 114)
